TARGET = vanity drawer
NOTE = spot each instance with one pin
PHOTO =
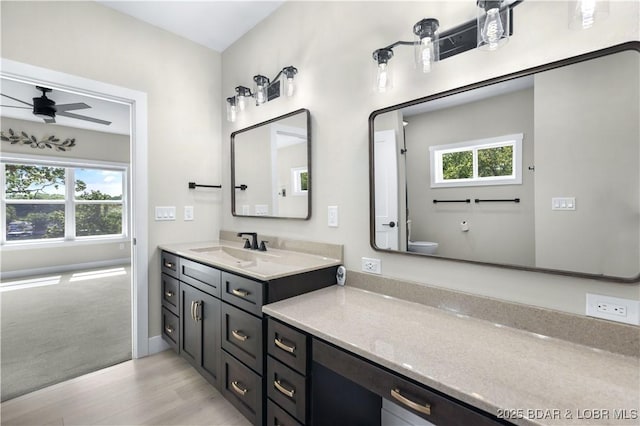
(169, 263)
(242, 336)
(200, 276)
(287, 345)
(170, 328)
(277, 416)
(242, 387)
(287, 388)
(242, 292)
(170, 293)
(417, 399)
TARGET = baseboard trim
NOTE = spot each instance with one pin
(157, 344)
(63, 268)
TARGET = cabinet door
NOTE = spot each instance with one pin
(208, 314)
(190, 329)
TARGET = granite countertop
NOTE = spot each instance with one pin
(265, 266)
(539, 379)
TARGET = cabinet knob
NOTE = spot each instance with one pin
(168, 265)
(168, 329)
(168, 293)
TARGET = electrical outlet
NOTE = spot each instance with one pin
(371, 266)
(613, 308)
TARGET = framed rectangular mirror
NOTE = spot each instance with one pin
(535, 170)
(271, 168)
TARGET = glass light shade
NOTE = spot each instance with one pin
(493, 24)
(584, 13)
(383, 77)
(232, 109)
(288, 75)
(427, 44)
(260, 88)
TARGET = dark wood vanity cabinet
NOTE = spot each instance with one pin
(222, 333)
(315, 383)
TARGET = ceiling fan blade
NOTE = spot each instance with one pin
(83, 117)
(49, 120)
(16, 99)
(71, 107)
(11, 106)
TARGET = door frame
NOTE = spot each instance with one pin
(137, 101)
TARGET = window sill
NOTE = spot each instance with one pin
(23, 245)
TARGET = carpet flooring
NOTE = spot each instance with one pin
(60, 326)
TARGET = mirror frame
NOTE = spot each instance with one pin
(631, 45)
(233, 165)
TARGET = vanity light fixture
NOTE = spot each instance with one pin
(264, 90)
(490, 30)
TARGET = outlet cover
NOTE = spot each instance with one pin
(613, 308)
(371, 266)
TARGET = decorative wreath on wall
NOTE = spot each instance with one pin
(50, 142)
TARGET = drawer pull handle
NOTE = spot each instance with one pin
(238, 389)
(168, 329)
(239, 292)
(239, 335)
(424, 409)
(286, 392)
(168, 293)
(193, 315)
(279, 343)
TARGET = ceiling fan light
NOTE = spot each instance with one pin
(44, 107)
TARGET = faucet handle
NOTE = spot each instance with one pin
(247, 244)
(263, 246)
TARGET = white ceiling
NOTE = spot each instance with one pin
(115, 112)
(211, 23)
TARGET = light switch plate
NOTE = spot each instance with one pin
(332, 216)
(188, 212)
(166, 213)
(563, 203)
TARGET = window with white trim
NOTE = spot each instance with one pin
(300, 178)
(52, 201)
(492, 161)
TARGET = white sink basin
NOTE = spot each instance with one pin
(260, 264)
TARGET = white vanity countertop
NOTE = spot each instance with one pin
(489, 366)
(265, 266)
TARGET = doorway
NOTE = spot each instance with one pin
(136, 184)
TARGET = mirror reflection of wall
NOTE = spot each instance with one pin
(272, 160)
(563, 142)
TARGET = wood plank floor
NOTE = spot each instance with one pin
(162, 389)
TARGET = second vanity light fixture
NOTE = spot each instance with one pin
(491, 29)
(264, 90)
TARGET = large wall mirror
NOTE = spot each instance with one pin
(271, 168)
(536, 170)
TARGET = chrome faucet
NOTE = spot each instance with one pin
(254, 240)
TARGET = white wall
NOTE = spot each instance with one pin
(90, 145)
(331, 45)
(182, 82)
(596, 103)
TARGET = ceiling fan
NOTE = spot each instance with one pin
(47, 109)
